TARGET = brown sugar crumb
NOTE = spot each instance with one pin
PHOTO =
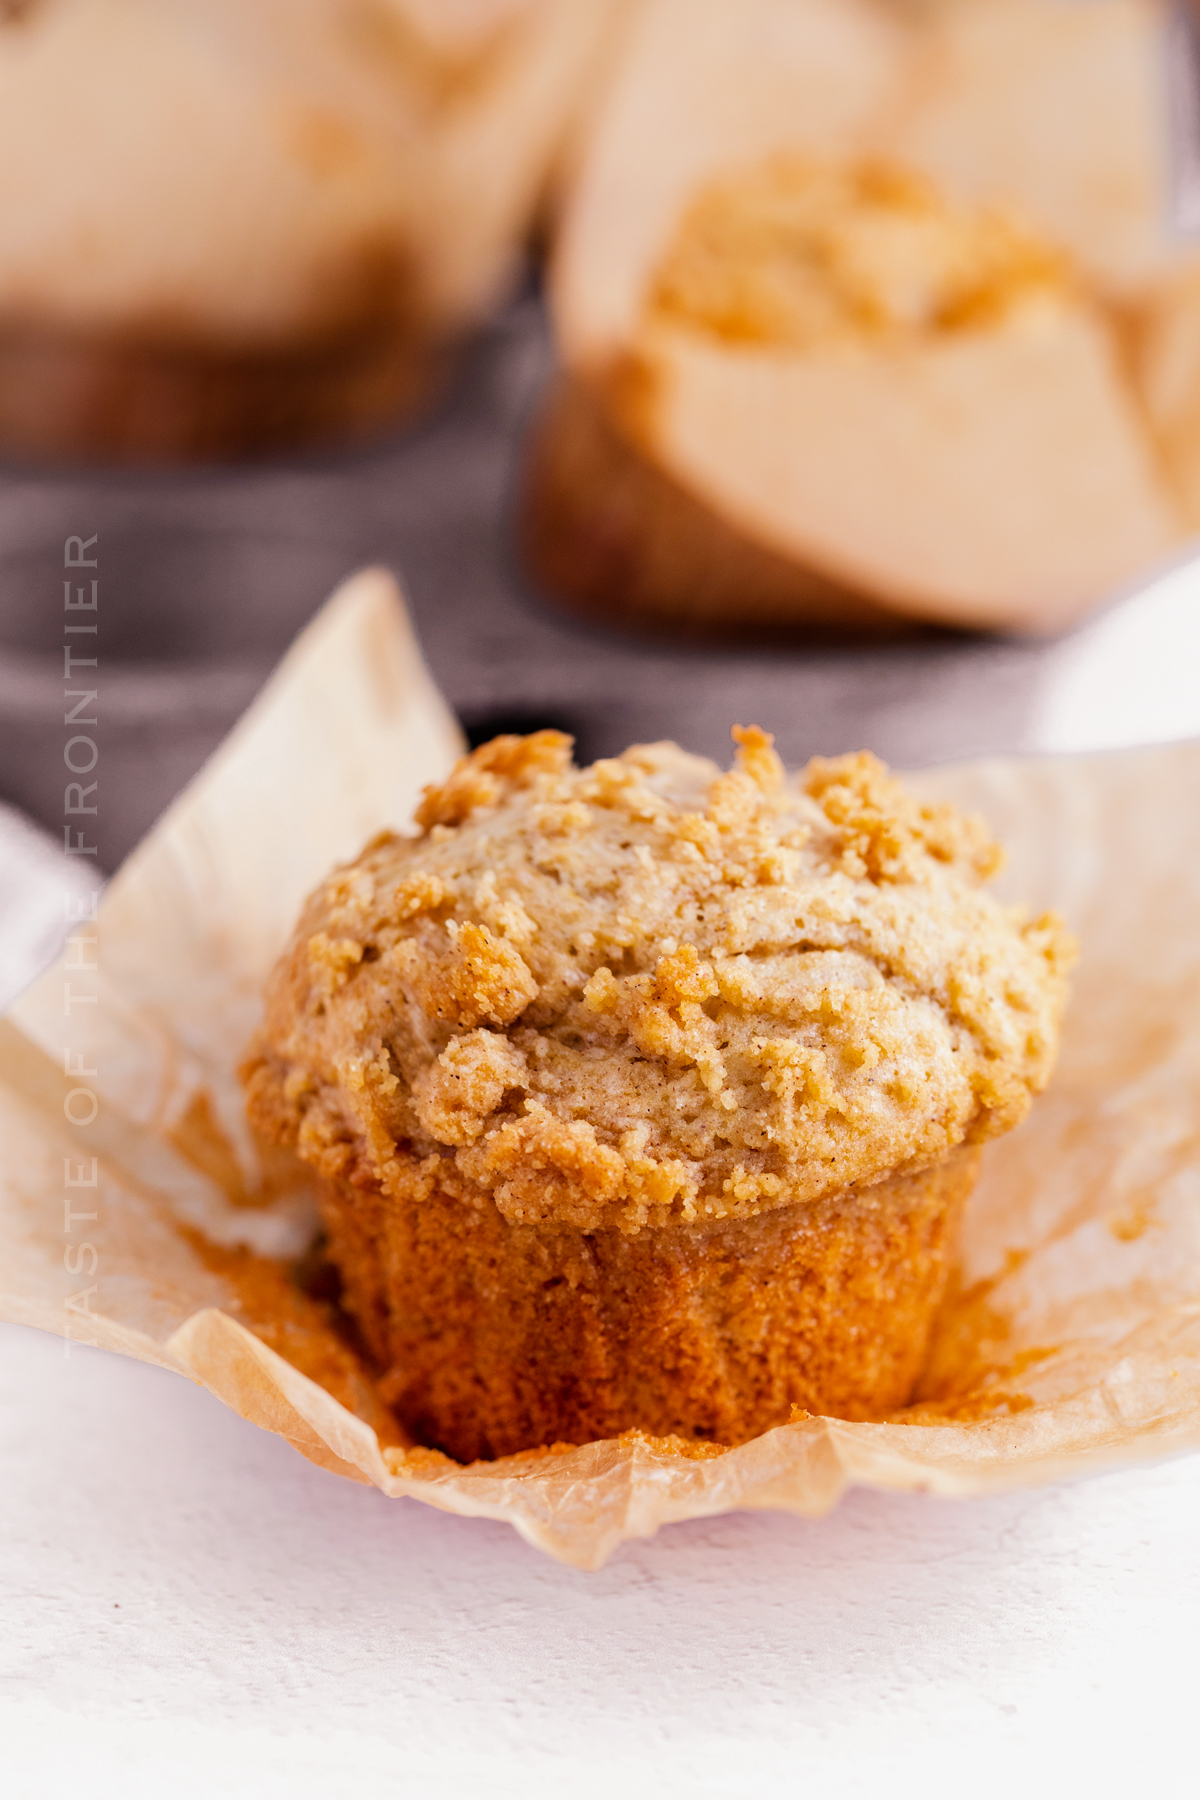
(457, 1095)
(503, 766)
(418, 894)
(490, 980)
(691, 1449)
(798, 253)
(965, 1409)
(884, 834)
(331, 960)
(757, 758)
(472, 976)
(540, 1167)
(649, 991)
(420, 1461)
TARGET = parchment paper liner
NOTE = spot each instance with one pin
(1075, 1346)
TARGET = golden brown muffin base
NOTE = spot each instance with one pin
(83, 399)
(605, 530)
(496, 1338)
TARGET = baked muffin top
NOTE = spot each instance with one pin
(648, 991)
(800, 253)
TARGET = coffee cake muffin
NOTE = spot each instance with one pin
(648, 1095)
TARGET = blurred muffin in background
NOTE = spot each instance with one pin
(841, 296)
(234, 226)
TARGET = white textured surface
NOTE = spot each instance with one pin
(191, 1609)
(40, 890)
(1128, 676)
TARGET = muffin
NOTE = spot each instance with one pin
(243, 225)
(839, 348)
(646, 1095)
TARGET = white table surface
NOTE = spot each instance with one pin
(190, 1609)
(193, 1610)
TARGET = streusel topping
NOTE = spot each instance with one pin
(648, 990)
(799, 253)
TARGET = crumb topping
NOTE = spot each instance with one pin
(648, 990)
(798, 253)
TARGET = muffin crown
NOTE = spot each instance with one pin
(649, 991)
(802, 252)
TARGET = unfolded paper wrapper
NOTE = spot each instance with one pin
(1071, 1344)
